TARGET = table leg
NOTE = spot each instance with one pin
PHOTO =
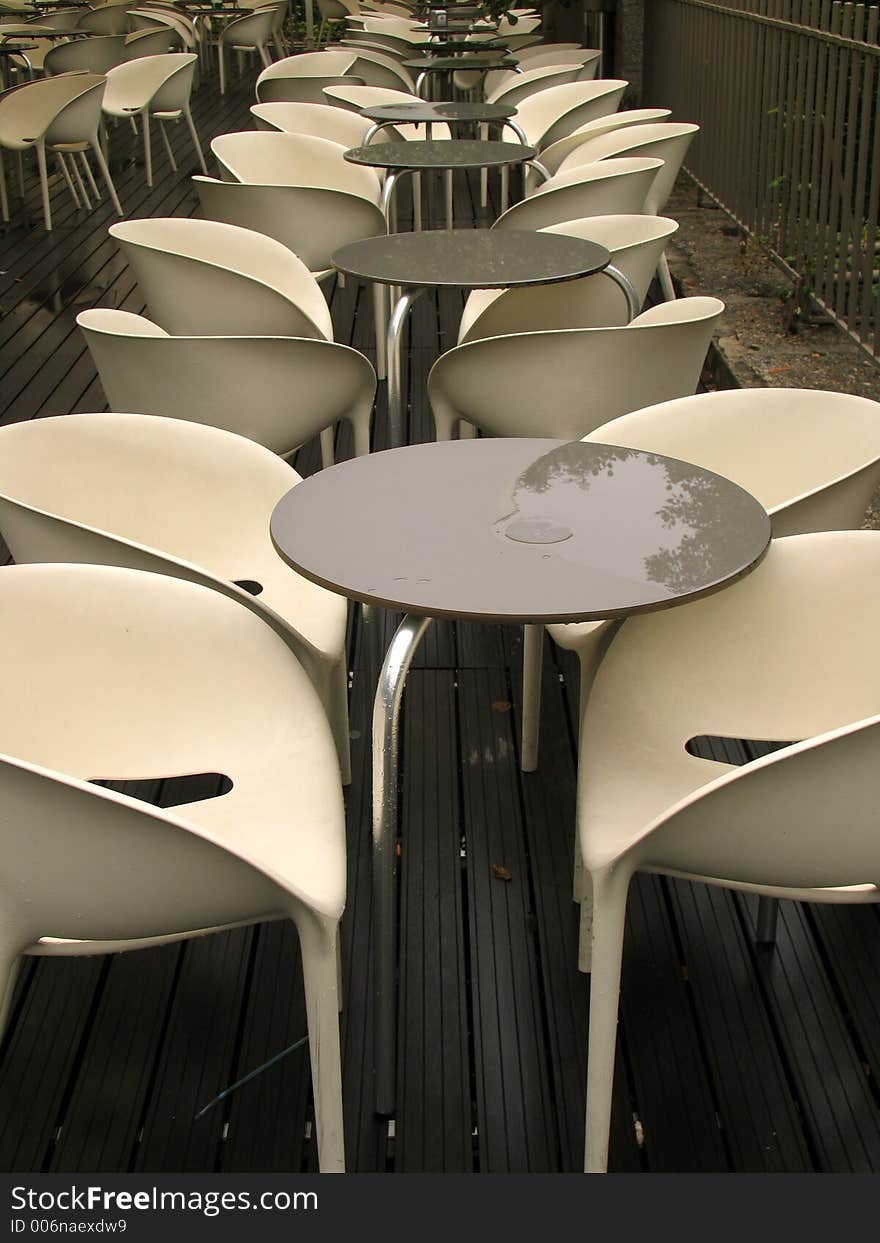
(386, 741)
(632, 298)
(395, 378)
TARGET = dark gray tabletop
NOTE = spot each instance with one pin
(460, 45)
(420, 111)
(471, 258)
(518, 530)
(426, 64)
(441, 153)
(457, 26)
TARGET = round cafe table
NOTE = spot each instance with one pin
(446, 155)
(466, 259)
(426, 65)
(502, 530)
(426, 112)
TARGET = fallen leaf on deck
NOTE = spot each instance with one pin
(500, 872)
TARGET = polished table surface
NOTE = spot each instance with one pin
(423, 111)
(451, 64)
(471, 258)
(440, 153)
(520, 530)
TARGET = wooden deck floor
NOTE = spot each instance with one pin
(730, 1058)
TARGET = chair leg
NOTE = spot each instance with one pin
(83, 193)
(87, 169)
(338, 714)
(221, 64)
(148, 150)
(380, 321)
(264, 55)
(665, 279)
(8, 975)
(44, 185)
(533, 651)
(505, 186)
(4, 200)
(71, 188)
(194, 134)
(318, 939)
(484, 172)
(610, 890)
(327, 453)
(417, 202)
(447, 180)
(168, 151)
(768, 914)
(105, 173)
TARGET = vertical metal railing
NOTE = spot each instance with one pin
(787, 93)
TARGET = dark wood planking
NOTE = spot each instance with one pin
(759, 1114)
(434, 1113)
(516, 1130)
(42, 1058)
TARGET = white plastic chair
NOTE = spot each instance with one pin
(158, 87)
(318, 120)
(811, 458)
(279, 391)
(109, 19)
(355, 97)
(201, 676)
(553, 154)
(531, 81)
(252, 33)
(152, 42)
(204, 278)
(787, 653)
(301, 191)
(374, 68)
(334, 11)
(665, 141)
(176, 498)
(566, 382)
(95, 55)
(281, 82)
(556, 110)
(606, 188)
(61, 113)
(498, 80)
(635, 244)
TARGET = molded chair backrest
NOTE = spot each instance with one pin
(152, 19)
(553, 154)
(267, 158)
(376, 69)
(531, 81)
(204, 278)
(161, 83)
(108, 20)
(152, 42)
(587, 58)
(63, 109)
(552, 112)
(95, 55)
(606, 188)
(811, 458)
(667, 141)
(300, 89)
(309, 64)
(252, 31)
(278, 391)
(734, 664)
(565, 383)
(311, 221)
(166, 642)
(353, 98)
(635, 243)
(157, 494)
(318, 120)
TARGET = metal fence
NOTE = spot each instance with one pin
(787, 94)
